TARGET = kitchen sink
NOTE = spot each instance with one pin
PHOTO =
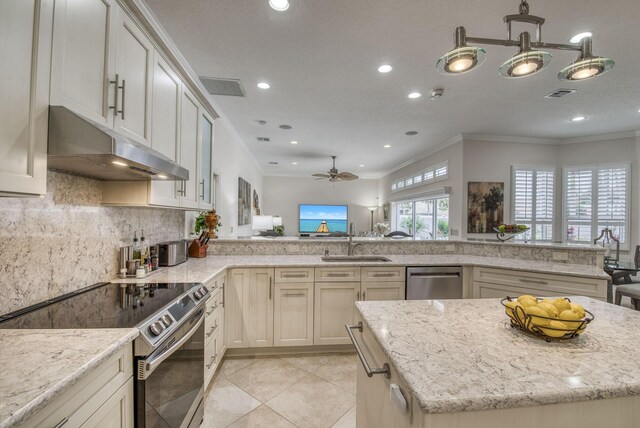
(355, 259)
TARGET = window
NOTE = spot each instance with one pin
(432, 174)
(425, 219)
(533, 197)
(596, 197)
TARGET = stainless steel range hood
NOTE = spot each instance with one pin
(82, 147)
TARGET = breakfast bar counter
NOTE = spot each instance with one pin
(462, 357)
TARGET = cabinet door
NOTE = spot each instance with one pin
(165, 129)
(383, 290)
(25, 31)
(189, 149)
(116, 412)
(82, 64)
(333, 308)
(260, 308)
(205, 176)
(482, 290)
(235, 290)
(134, 67)
(293, 314)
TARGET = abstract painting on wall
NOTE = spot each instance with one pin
(244, 202)
(485, 206)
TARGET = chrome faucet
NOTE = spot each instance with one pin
(352, 246)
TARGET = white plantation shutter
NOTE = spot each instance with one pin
(596, 197)
(533, 197)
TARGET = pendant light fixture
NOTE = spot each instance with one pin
(529, 59)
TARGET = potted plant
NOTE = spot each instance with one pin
(208, 221)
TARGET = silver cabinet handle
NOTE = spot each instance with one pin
(383, 274)
(270, 284)
(533, 281)
(212, 310)
(364, 295)
(358, 295)
(294, 295)
(114, 107)
(212, 330)
(385, 370)
(211, 361)
(123, 98)
(337, 274)
(202, 184)
(294, 275)
(222, 294)
(61, 423)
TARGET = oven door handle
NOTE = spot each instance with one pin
(146, 367)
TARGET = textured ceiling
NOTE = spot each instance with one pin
(321, 59)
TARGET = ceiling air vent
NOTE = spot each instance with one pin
(264, 139)
(559, 93)
(218, 86)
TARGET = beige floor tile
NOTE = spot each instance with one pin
(266, 378)
(226, 403)
(262, 417)
(232, 365)
(348, 420)
(312, 402)
(340, 371)
(309, 363)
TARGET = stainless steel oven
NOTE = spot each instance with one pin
(170, 381)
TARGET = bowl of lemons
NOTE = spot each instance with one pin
(558, 318)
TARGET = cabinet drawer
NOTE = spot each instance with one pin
(214, 303)
(89, 394)
(212, 324)
(211, 358)
(383, 274)
(215, 284)
(560, 285)
(303, 274)
(337, 274)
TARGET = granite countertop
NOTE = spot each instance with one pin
(202, 270)
(30, 380)
(462, 355)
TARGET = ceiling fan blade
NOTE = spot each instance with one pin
(321, 175)
(347, 176)
(334, 179)
(321, 178)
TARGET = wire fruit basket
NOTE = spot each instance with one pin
(539, 326)
(508, 234)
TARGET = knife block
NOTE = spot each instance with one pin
(197, 250)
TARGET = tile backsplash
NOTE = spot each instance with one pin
(66, 240)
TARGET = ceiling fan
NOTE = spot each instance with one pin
(334, 175)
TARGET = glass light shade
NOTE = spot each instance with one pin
(262, 222)
(461, 60)
(525, 64)
(586, 68)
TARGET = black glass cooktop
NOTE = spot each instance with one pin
(106, 305)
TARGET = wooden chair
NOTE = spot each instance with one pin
(398, 233)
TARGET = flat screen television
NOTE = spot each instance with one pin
(317, 219)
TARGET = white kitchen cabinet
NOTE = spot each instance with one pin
(189, 149)
(249, 308)
(392, 290)
(134, 76)
(165, 129)
(293, 314)
(102, 398)
(334, 305)
(205, 191)
(25, 31)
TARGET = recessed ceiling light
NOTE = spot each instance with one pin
(162, 176)
(414, 95)
(119, 163)
(578, 118)
(361, 166)
(294, 142)
(386, 146)
(385, 68)
(411, 133)
(285, 126)
(294, 163)
(279, 5)
(273, 163)
(578, 37)
(263, 85)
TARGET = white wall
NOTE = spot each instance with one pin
(230, 161)
(283, 195)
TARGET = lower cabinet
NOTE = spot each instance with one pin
(103, 398)
(214, 328)
(293, 314)
(382, 290)
(334, 304)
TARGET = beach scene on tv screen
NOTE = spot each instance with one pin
(323, 218)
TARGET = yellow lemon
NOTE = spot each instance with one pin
(528, 302)
(571, 318)
(526, 297)
(535, 312)
(510, 308)
(547, 300)
(550, 309)
(560, 326)
(562, 304)
(579, 309)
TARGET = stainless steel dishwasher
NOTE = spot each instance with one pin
(434, 282)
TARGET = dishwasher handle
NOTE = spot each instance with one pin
(435, 274)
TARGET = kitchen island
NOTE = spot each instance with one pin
(459, 363)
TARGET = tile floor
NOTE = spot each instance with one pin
(283, 392)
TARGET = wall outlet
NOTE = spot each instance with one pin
(453, 232)
(560, 256)
(449, 248)
(230, 229)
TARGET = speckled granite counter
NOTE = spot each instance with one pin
(462, 355)
(30, 380)
(201, 270)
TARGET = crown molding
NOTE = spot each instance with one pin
(600, 137)
(510, 139)
(450, 142)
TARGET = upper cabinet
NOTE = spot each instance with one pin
(25, 31)
(102, 66)
(205, 172)
(189, 134)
